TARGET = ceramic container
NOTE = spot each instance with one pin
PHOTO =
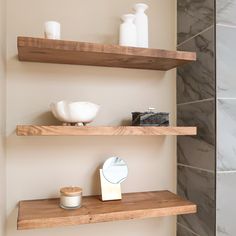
(141, 22)
(75, 113)
(128, 32)
(52, 30)
(71, 197)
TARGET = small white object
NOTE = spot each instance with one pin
(109, 190)
(79, 113)
(141, 22)
(112, 174)
(128, 31)
(151, 109)
(52, 30)
(71, 197)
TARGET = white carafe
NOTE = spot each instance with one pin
(128, 32)
(141, 22)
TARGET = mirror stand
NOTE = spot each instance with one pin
(109, 191)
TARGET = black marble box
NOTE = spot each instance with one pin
(150, 119)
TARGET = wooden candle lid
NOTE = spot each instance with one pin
(71, 191)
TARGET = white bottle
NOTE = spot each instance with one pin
(128, 31)
(141, 22)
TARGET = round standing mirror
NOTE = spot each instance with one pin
(115, 170)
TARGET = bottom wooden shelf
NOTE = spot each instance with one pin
(47, 213)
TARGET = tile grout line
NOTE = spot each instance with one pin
(186, 228)
(196, 168)
(225, 98)
(226, 172)
(198, 101)
(225, 25)
(203, 31)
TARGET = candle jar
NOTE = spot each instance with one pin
(71, 197)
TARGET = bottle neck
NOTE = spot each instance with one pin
(129, 18)
(140, 8)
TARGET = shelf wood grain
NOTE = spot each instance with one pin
(33, 130)
(47, 213)
(93, 54)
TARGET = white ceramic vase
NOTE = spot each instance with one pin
(141, 22)
(128, 32)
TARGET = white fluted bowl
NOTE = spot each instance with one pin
(79, 113)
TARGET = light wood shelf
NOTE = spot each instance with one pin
(93, 54)
(47, 213)
(33, 130)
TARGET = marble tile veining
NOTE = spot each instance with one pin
(194, 16)
(197, 151)
(226, 138)
(182, 231)
(225, 12)
(226, 207)
(196, 81)
(226, 57)
(199, 187)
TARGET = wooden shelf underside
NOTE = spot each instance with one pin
(93, 54)
(47, 213)
(33, 130)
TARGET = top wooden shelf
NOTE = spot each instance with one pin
(93, 54)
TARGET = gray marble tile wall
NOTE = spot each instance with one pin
(226, 207)
(197, 151)
(183, 231)
(226, 135)
(226, 58)
(196, 81)
(226, 117)
(198, 186)
(194, 16)
(196, 93)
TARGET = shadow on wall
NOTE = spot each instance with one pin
(50, 70)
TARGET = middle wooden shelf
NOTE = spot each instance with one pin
(34, 130)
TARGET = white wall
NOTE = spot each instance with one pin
(2, 118)
(38, 166)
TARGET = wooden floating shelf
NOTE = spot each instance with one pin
(93, 54)
(33, 130)
(47, 213)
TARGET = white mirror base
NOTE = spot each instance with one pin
(109, 191)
